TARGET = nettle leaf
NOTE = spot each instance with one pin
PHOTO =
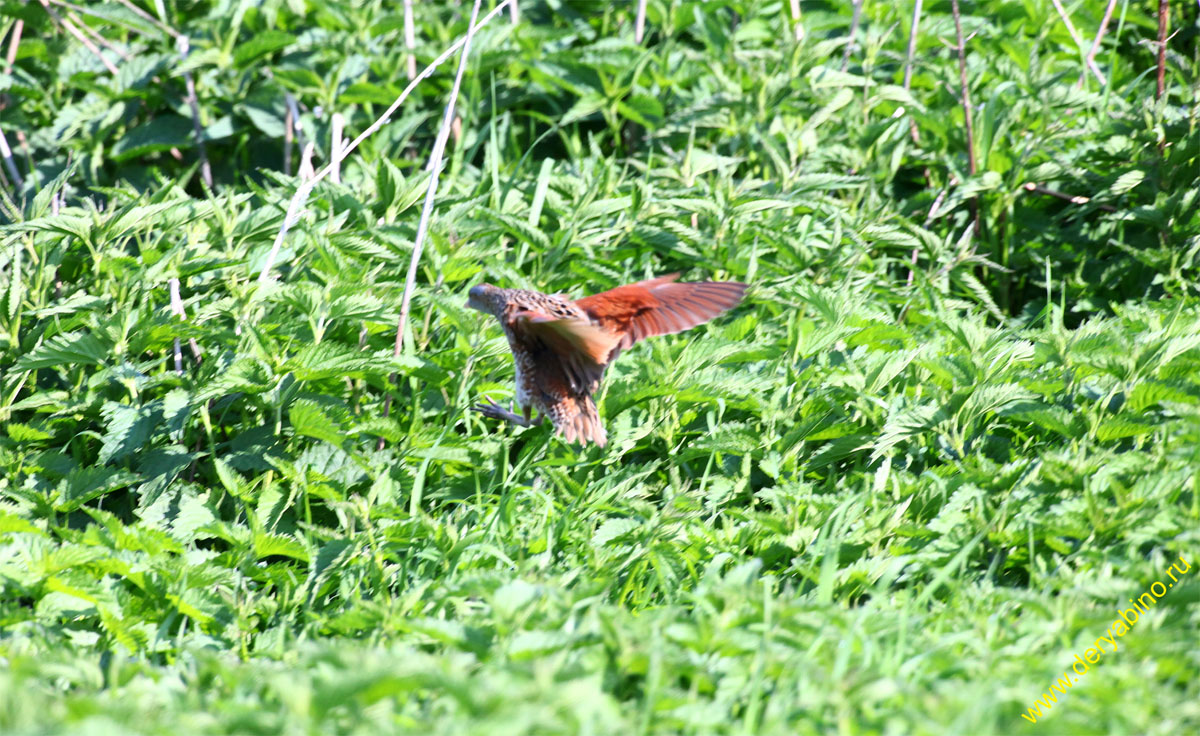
(1151, 393)
(526, 645)
(1054, 418)
(310, 419)
(77, 302)
(243, 375)
(270, 122)
(733, 437)
(138, 71)
(127, 428)
(25, 433)
(160, 134)
(334, 555)
(331, 360)
(260, 45)
(176, 409)
(160, 467)
(12, 524)
(1118, 428)
(132, 637)
(83, 484)
(67, 349)
(614, 530)
(517, 228)
(271, 545)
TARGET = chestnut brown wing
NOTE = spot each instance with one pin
(659, 307)
(579, 347)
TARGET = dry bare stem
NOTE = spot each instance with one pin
(797, 26)
(1163, 21)
(854, 22)
(1030, 186)
(302, 191)
(435, 168)
(9, 163)
(972, 166)
(1066, 19)
(337, 123)
(83, 39)
(908, 62)
(1091, 54)
(14, 42)
(410, 39)
(182, 45)
(74, 17)
(912, 122)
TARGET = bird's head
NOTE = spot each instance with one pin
(486, 298)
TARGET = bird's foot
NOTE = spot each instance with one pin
(492, 410)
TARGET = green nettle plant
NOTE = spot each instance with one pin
(950, 431)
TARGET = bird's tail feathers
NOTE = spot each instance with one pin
(581, 422)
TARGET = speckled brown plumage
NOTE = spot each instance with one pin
(561, 347)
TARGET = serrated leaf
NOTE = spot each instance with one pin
(160, 134)
(269, 545)
(83, 484)
(127, 428)
(66, 349)
(613, 530)
(309, 419)
(260, 45)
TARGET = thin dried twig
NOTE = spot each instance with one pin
(14, 42)
(972, 166)
(177, 310)
(302, 192)
(182, 45)
(912, 121)
(1072, 198)
(854, 21)
(798, 27)
(87, 42)
(74, 17)
(514, 11)
(639, 27)
(295, 129)
(410, 39)
(1163, 21)
(149, 18)
(1066, 19)
(434, 168)
(337, 123)
(9, 163)
(908, 63)
(108, 19)
(306, 172)
(288, 136)
(1091, 54)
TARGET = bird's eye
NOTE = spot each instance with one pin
(476, 292)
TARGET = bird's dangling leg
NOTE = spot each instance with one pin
(492, 410)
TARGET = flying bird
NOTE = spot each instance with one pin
(561, 347)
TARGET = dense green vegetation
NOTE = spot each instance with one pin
(953, 429)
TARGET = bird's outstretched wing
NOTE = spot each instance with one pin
(580, 348)
(612, 321)
(658, 307)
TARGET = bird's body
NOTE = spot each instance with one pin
(561, 347)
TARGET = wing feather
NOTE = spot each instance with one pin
(581, 347)
(659, 306)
